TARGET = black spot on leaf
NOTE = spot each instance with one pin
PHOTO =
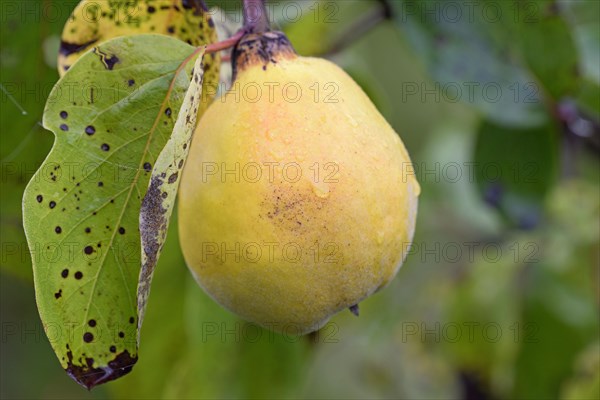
(39, 198)
(64, 114)
(64, 127)
(88, 337)
(52, 204)
(111, 61)
(105, 147)
(67, 48)
(92, 323)
(58, 229)
(88, 250)
(64, 273)
(78, 275)
(147, 167)
(122, 230)
(90, 130)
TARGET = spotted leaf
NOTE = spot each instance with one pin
(158, 203)
(111, 115)
(93, 22)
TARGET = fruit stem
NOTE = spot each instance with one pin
(256, 19)
(227, 43)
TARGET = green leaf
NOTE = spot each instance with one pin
(111, 115)
(584, 17)
(564, 320)
(516, 168)
(472, 60)
(549, 34)
(159, 201)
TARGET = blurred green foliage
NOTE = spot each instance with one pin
(500, 294)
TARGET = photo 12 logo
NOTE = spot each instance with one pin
(469, 332)
(271, 252)
(269, 172)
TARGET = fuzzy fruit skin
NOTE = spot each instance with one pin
(288, 251)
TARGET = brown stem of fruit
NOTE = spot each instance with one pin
(227, 43)
(256, 19)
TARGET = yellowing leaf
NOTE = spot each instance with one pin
(159, 201)
(93, 22)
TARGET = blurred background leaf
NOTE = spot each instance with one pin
(515, 169)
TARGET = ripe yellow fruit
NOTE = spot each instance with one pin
(298, 198)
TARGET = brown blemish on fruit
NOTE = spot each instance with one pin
(285, 206)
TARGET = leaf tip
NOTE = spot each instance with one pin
(90, 377)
